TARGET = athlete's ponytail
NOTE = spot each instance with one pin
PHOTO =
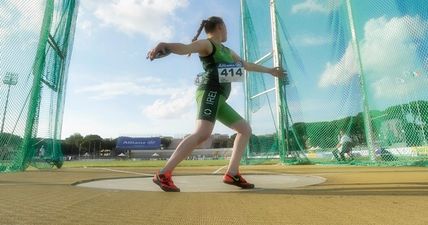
(208, 25)
(199, 30)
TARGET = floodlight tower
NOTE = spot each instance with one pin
(10, 79)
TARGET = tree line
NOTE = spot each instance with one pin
(92, 144)
(412, 116)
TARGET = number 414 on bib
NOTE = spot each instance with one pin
(230, 72)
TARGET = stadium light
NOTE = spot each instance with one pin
(10, 79)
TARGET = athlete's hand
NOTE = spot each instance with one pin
(160, 49)
(278, 72)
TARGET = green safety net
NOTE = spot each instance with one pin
(360, 67)
(36, 40)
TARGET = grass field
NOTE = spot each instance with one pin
(152, 163)
(351, 195)
(141, 163)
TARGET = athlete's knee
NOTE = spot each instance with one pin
(201, 136)
(245, 129)
(248, 130)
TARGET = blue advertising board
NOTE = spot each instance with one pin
(128, 143)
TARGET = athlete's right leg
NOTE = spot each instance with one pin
(186, 146)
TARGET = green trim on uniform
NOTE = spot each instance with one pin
(220, 54)
(212, 106)
(211, 95)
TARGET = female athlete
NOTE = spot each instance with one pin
(214, 88)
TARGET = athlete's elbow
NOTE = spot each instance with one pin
(178, 48)
(247, 66)
(182, 53)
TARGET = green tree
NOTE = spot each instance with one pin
(74, 140)
(92, 143)
(166, 142)
(108, 143)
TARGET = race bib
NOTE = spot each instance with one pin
(201, 78)
(230, 72)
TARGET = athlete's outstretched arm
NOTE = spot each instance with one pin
(203, 47)
(275, 71)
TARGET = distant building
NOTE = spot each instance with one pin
(174, 143)
(138, 143)
(214, 141)
(150, 148)
(220, 141)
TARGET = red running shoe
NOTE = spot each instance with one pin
(165, 182)
(237, 180)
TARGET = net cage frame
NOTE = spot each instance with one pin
(285, 133)
(32, 134)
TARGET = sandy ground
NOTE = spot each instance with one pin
(351, 195)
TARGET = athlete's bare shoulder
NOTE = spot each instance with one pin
(205, 47)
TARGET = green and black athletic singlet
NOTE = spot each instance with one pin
(211, 95)
(220, 54)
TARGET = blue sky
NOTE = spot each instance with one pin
(392, 40)
(113, 90)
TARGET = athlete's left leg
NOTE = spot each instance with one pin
(243, 135)
(232, 119)
(229, 117)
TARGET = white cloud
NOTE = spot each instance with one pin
(307, 109)
(5, 15)
(151, 86)
(311, 40)
(393, 87)
(17, 19)
(149, 80)
(178, 105)
(3, 33)
(388, 50)
(6, 27)
(310, 6)
(20, 15)
(340, 73)
(86, 26)
(20, 24)
(237, 90)
(389, 43)
(150, 18)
